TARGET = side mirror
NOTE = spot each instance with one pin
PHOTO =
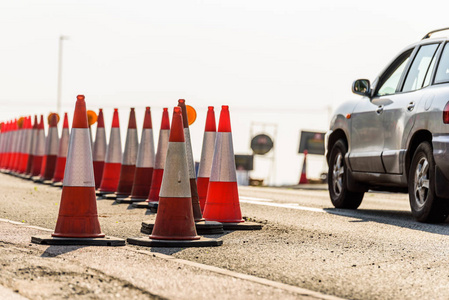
(362, 87)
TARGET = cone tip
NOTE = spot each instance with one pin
(177, 131)
(165, 123)
(147, 124)
(66, 121)
(80, 97)
(210, 120)
(115, 119)
(80, 114)
(224, 124)
(132, 119)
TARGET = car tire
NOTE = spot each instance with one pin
(424, 203)
(340, 196)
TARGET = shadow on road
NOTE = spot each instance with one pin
(55, 250)
(402, 219)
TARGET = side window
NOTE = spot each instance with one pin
(393, 74)
(420, 71)
(442, 74)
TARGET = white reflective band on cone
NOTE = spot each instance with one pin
(40, 143)
(27, 141)
(114, 152)
(79, 168)
(162, 145)
(207, 154)
(13, 141)
(189, 153)
(33, 141)
(223, 164)
(131, 148)
(53, 141)
(100, 146)
(176, 181)
(64, 143)
(145, 156)
(19, 141)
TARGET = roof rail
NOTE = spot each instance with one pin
(434, 31)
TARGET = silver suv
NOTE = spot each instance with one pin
(396, 137)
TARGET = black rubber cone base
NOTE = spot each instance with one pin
(242, 226)
(129, 200)
(57, 184)
(47, 182)
(49, 240)
(153, 206)
(27, 177)
(202, 228)
(102, 193)
(110, 196)
(143, 204)
(147, 242)
(37, 179)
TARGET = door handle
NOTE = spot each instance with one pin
(380, 109)
(411, 106)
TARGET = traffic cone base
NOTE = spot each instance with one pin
(203, 227)
(110, 180)
(224, 210)
(104, 241)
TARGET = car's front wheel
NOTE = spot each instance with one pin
(425, 205)
(340, 196)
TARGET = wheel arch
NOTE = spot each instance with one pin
(417, 138)
(333, 138)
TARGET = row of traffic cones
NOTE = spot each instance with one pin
(178, 209)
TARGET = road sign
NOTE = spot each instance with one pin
(312, 141)
(261, 144)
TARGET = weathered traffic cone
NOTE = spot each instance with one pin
(39, 150)
(13, 151)
(26, 145)
(113, 162)
(2, 140)
(144, 164)
(175, 225)
(222, 202)
(193, 188)
(51, 150)
(62, 153)
(78, 218)
(31, 149)
(21, 124)
(8, 147)
(159, 164)
(303, 178)
(129, 158)
(207, 154)
(5, 146)
(99, 152)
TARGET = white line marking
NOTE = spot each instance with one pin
(286, 205)
(255, 199)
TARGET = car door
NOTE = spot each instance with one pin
(367, 128)
(399, 110)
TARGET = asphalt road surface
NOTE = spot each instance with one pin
(375, 252)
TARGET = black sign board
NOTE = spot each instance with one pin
(261, 144)
(313, 142)
(244, 162)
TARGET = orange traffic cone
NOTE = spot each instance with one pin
(99, 152)
(26, 145)
(39, 150)
(78, 218)
(13, 151)
(174, 225)
(207, 154)
(62, 153)
(222, 202)
(193, 188)
(129, 158)
(21, 123)
(144, 164)
(51, 151)
(31, 149)
(7, 146)
(303, 178)
(113, 162)
(159, 164)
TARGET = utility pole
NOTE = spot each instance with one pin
(58, 101)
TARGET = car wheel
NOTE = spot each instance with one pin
(425, 205)
(340, 196)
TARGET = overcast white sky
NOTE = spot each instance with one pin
(283, 62)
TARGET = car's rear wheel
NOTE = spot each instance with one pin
(425, 205)
(340, 196)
